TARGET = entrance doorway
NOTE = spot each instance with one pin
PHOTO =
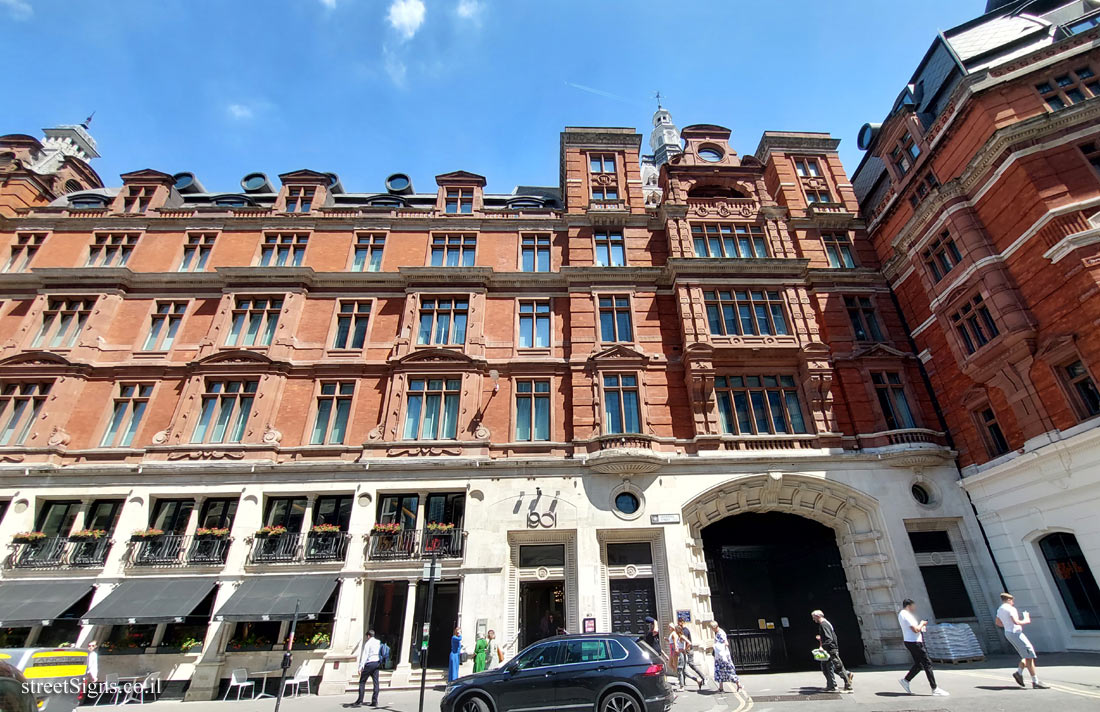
(387, 613)
(631, 602)
(541, 610)
(767, 572)
(442, 625)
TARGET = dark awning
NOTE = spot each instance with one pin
(27, 603)
(150, 600)
(271, 598)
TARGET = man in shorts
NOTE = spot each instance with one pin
(1009, 619)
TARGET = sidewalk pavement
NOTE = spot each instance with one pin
(975, 687)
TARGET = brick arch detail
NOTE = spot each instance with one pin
(856, 518)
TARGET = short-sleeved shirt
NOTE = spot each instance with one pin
(1005, 614)
(907, 621)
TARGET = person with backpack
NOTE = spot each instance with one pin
(369, 661)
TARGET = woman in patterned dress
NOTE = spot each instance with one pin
(724, 671)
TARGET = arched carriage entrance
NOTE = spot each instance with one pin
(859, 545)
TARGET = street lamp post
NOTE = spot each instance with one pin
(427, 626)
(286, 655)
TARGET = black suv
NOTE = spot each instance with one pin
(605, 672)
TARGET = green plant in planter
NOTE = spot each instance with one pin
(88, 535)
(391, 528)
(325, 529)
(440, 527)
(211, 533)
(320, 640)
(143, 534)
(28, 537)
(188, 644)
(268, 532)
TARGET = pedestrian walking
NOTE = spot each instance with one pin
(724, 671)
(687, 655)
(912, 632)
(456, 655)
(496, 653)
(673, 652)
(826, 638)
(368, 660)
(93, 661)
(481, 653)
(652, 636)
(1009, 619)
(678, 648)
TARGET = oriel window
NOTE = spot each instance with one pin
(758, 405)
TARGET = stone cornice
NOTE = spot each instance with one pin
(824, 278)
(794, 143)
(685, 267)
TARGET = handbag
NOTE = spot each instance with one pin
(820, 654)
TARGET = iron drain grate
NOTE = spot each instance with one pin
(813, 697)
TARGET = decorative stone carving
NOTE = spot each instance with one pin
(425, 450)
(59, 437)
(481, 433)
(161, 437)
(207, 455)
(376, 432)
(11, 457)
(272, 436)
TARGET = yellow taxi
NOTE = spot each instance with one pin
(43, 679)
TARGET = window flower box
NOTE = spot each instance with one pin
(28, 537)
(211, 533)
(386, 528)
(270, 532)
(324, 529)
(146, 534)
(440, 527)
(88, 535)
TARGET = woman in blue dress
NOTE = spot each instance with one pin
(456, 655)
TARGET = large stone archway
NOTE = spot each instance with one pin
(861, 536)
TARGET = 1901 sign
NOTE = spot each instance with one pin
(543, 520)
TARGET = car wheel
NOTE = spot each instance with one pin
(473, 704)
(620, 702)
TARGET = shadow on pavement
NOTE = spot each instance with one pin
(998, 688)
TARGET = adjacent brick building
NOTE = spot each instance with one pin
(981, 191)
(669, 378)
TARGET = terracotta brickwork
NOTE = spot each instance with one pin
(1015, 212)
(624, 294)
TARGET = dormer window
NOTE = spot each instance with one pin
(460, 201)
(88, 202)
(232, 201)
(299, 199)
(138, 198)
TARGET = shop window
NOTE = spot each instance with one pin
(892, 400)
(254, 321)
(128, 639)
(188, 635)
(1073, 578)
(254, 635)
(745, 312)
(974, 324)
(759, 405)
(727, 240)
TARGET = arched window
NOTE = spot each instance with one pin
(1073, 578)
(73, 186)
(714, 191)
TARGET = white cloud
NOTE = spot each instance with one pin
(394, 65)
(240, 112)
(468, 9)
(330, 4)
(406, 16)
(18, 9)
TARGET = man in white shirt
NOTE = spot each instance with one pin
(1009, 619)
(912, 632)
(369, 661)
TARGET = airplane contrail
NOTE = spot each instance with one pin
(601, 92)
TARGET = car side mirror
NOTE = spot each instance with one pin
(511, 669)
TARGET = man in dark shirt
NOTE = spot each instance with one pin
(826, 637)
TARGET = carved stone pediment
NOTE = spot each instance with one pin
(434, 356)
(36, 358)
(876, 351)
(619, 352)
(235, 356)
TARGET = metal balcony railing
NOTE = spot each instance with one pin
(409, 544)
(297, 547)
(60, 552)
(179, 550)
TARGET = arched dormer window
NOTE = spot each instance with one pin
(73, 186)
(530, 203)
(385, 202)
(88, 201)
(233, 201)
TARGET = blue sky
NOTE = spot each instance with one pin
(366, 88)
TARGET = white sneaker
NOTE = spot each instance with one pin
(940, 692)
(905, 686)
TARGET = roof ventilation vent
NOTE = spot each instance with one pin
(334, 185)
(188, 183)
(399, 184)
(256, 183)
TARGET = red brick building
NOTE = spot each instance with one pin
(981, 191)
(620, 396)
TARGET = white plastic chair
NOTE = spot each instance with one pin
(110, 687)
(150, 685)
(239, 679)
(301, 677)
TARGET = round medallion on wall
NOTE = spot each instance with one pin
(936, 558)
(701, 210)
(631, 571)
(604, 179)
(542, 573)
(746, 210)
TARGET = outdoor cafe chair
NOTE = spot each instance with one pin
(239, 680)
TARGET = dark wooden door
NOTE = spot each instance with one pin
(631, 602)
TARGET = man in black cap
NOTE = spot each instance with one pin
(652, 636)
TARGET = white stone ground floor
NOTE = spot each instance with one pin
(1041, 511)
(754, 540)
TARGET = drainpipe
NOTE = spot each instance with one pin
(950, 440)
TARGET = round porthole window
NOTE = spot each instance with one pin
(922, 495)
(710, 154)
(627, 503)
